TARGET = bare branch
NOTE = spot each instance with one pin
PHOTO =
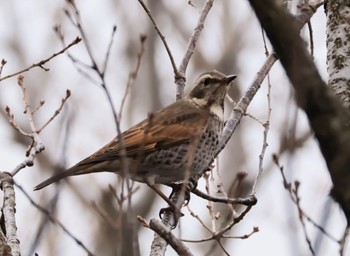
(36, 146)
(166, 234)
(41, 63)
(108, 53)
(54, 220)
(63, 101)
(343, 241)
(162, 37)
(77, 22)
(251, 200)
(3, 63)
(9, 210)
(265, 133)
(242, 105)
(327, 116)
(180, 77)
(133, 74)
(293, 189)
(12, 121)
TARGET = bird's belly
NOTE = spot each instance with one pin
(175, 164)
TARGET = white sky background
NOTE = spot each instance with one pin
(26, 28)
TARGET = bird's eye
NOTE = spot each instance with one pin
(207, 81)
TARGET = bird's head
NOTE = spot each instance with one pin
(210, 89)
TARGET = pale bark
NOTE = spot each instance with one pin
(338, 49)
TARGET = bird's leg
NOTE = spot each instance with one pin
(178, 189)
(172, 207)
(161, 194)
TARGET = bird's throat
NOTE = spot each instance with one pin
(200, 102)
(217, 110)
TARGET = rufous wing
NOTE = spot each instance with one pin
(178, 123)
(175, 124)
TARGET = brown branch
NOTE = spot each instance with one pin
(41, 63)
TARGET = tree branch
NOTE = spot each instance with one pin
(327, 117)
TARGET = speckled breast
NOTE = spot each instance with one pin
(173, 165)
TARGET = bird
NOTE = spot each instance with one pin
(169, 146)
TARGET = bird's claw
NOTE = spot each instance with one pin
(176, 213)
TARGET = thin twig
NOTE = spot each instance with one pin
(54, 220)
(251, 200)
(301, 216)
(111, 221)
(162, 37)
(293, 193)
(36, 145)
(133, 74)
(56, 113)
(343, 240)
(180, 77)
(255, 230)
(3, 63)
(235, 220)
(266, 126)
(77, 22)
(13, 122)
(108, 52)
(41, 63)
(41, 103)
(210, 206)
(242, 105)
(194, 215)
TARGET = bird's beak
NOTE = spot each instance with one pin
(228, 79)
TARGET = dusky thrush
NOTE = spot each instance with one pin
(169, 146)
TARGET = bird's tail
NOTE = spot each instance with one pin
(75, 170)
(58, 176)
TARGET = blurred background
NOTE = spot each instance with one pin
(231, 42)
